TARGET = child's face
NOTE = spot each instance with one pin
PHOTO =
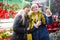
(35, 9)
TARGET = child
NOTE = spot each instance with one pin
(37, 24)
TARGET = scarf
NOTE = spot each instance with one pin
(32, 18)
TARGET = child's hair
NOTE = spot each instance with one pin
(33, 5)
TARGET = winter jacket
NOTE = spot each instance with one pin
(19, 28)
(40, 33)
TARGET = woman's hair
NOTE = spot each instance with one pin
(22, 13)
(23, 16)
(26, 6)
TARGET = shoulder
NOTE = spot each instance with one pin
(40, 12)
(18, 17)
(20, 12)
(30, 13)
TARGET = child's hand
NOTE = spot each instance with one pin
(28, 28)
(38, 23)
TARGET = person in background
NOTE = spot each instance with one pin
(49, 20)
(37, 24)
(20, 26)
(48, 16)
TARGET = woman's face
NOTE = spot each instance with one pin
(47, 12)
(27, 9)
(35, 8)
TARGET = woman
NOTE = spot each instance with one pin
(20, 26)
(48, 16)
(37, 24)
(49, 20)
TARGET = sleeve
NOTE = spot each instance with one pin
(17, 28)
(43, 19)
(50, 20)
(33, 29)
(46, 18)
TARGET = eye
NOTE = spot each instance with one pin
(36, 7)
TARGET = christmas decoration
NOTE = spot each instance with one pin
(54, 17)
(5, 34)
